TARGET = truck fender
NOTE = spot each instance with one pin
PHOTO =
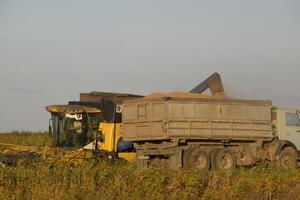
(278, 145)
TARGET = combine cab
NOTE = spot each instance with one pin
(73, 126)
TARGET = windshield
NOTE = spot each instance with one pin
(75, 130)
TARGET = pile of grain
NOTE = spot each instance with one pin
(182, 95)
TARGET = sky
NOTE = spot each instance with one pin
(50, 51)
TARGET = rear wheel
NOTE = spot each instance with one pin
(224, 159)
(288, 158)
(196, 159)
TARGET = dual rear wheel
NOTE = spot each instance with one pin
(223, 159)
(199, 159)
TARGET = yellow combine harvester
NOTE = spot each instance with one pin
(85, 129)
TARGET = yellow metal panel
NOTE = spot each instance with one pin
(130, 157)
(111, 137)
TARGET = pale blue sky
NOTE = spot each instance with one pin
(52, 50)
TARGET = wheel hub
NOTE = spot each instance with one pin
(226, 162)
(201, 161)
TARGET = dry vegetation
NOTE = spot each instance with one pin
(119, 180)
(26, 138)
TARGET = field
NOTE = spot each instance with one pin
(120, 180)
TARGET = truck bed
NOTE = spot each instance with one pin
(201, 119)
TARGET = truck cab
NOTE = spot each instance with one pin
(287, 123)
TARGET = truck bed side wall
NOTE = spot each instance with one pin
(162, 120)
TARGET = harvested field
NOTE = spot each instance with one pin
(119, 180)
(26, 138)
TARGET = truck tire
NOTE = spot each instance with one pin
(196, 159)
(224, 159)
(287, 157)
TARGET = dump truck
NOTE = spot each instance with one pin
(197, 131)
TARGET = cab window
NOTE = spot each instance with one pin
(292, 119)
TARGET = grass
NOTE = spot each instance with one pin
(119, 180)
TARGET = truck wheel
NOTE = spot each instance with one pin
(224, 159)
(196, 159)
(288, 158)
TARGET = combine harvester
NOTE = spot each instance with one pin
(85, 129)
